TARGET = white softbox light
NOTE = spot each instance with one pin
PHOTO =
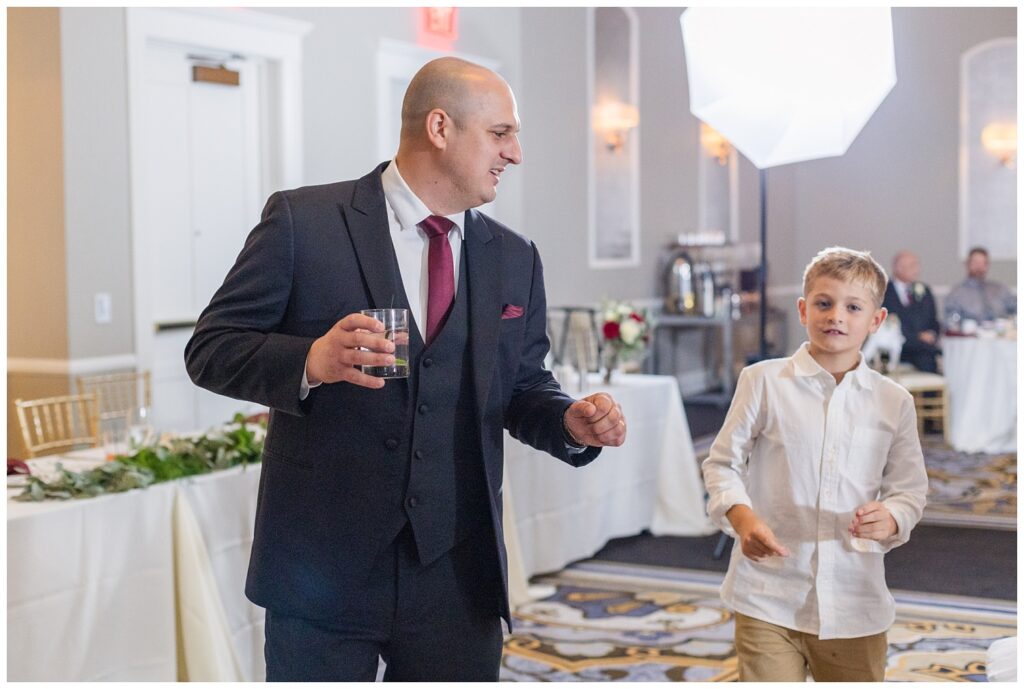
(788, 84)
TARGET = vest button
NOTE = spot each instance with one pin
(391, 443)
(418, 454)
(412, 502)
(427, 363)
(424, 409)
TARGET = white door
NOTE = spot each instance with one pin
(200, 196)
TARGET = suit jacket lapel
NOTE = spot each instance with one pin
(366, 218)
(484, 272)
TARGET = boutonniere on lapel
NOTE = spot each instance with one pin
(918, 291)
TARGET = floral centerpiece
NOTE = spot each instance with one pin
(626, 332)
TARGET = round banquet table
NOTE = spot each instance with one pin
(981, 375)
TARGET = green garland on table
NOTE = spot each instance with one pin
(169, 460)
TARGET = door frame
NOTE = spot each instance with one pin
(276, 39)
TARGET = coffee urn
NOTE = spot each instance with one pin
(704, 284)
(680, 286)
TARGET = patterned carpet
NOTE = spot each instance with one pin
(614, 622)
(975, 490)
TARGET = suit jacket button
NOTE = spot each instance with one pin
(412, 502)
(424, 409)
(418, 454)
(427, 363)
(391, 444)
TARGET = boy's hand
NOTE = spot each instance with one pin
(756, 540)
(873, 521)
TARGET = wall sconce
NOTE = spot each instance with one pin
(614, 120)
(714, 144)
(1000, 140)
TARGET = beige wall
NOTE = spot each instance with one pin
(36, 265)
(98, 228)
(37, 305)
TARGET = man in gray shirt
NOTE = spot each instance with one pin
(979, 299)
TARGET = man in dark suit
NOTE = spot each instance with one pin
(378, 526)
(913, 303)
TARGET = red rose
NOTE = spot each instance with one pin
(611, 330)
(636, 317)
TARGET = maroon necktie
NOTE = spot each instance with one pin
(440, 273)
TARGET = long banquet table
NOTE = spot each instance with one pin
(148, 585)
(981, 376)
(90, 588)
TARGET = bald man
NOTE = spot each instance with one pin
(378, 525)
(912, 301)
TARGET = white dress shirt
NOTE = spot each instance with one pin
(405, 212)
(804, 453)
(902, 291)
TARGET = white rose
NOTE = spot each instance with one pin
(629, 331)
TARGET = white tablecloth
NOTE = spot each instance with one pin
(981, 375)
(222, 632)
(90, 588)
(1001, 660)
(95, 586)
(559, 513)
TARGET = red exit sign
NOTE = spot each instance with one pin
(441, 22)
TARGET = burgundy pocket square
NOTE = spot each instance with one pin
(511, 311)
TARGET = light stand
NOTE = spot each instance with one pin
(763, 271)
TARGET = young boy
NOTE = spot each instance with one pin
(818, 472)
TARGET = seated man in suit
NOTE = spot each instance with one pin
(913, 303)
(977, 298)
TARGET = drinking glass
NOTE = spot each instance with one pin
(114, 436)
(396, 329)
(140, 432)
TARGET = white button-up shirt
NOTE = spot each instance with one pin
(405, 212)
(902, 291)
(804, 453)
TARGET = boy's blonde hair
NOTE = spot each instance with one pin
(848, 265)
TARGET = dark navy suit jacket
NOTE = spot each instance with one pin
(319, 254)
(916, 317)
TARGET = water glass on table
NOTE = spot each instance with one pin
(140, 432)
(114, 433)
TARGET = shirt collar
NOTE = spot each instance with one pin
(409, 210)
(804, 365)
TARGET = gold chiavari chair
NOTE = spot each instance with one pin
(56, 424)
(931, 398)
(126, 396)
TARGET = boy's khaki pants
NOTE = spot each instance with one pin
(770, 653)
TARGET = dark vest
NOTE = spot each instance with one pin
(445, 494)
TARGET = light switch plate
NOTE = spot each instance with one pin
(103, 309)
